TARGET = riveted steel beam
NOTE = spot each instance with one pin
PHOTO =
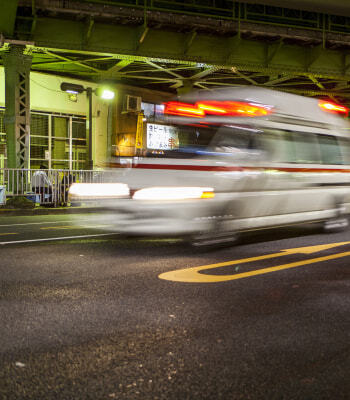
(8, 10)
(189, 40)
(241, 75)
(160, 44)
(88, 30)
(276, 81)
(272, 50)
(17, 103)
(81, 64)
(113, 71)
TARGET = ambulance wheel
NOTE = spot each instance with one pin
(217, 236)
(214, 238)
(339, 223)
(211, 241)
(336, 224)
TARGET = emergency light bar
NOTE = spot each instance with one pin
(224, 108)
(334, 108)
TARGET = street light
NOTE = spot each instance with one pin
(102, 92)
(105, 93)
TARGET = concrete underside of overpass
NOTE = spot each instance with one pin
(170, 45)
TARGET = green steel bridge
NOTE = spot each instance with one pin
(166, 45)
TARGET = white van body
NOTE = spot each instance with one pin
(289, 166)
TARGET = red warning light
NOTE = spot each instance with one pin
(183, 109)
(333, 108)
(223, 108)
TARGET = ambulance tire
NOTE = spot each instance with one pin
(214, 238)
(336, 224)
(339, 223)
(206, 242)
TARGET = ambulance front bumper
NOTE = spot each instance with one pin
(182, 218)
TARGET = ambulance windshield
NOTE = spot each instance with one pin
(197, 140)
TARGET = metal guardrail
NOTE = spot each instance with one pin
(47, 187)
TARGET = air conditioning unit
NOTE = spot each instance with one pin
(132, 103)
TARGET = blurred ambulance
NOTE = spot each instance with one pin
(256, 159)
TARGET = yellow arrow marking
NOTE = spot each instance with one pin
(193, 275)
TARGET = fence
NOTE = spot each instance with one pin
(47, 187)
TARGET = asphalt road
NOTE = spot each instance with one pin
(95, 316)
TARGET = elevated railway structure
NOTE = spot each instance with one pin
(173, 46)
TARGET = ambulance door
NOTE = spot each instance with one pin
(312, 176)
(276, 181)
(334, 180)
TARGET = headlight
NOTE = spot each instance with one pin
(98, 190)
(174, 193)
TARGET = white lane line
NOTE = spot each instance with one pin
(75, 227)
(42, 223)
(56, 238)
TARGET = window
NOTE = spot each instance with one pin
(345, 149)
(278, 145)
(152, 111)
(330, 150)
(232, 138)
(56, 141)
(306, 148)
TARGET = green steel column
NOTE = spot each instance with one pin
(89, 160)
(186, 88)
(17, 102)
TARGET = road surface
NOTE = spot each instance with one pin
(87, 314)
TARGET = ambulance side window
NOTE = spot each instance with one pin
(278, 145)
(330, 150)
(306, 148)
(345, 149)
(230, 140)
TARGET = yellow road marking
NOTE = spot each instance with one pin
(193, 275)
(9, 233)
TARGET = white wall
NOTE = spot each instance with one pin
(45, 95)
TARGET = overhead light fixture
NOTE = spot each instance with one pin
(72, 88)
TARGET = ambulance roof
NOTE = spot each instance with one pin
(285, 105)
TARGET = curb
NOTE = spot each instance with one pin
(48, 211)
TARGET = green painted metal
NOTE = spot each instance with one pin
(17, 103)
(161, 44)
(155, 44)
(233, 10)
(8, 10)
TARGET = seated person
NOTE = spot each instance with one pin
(41, 183)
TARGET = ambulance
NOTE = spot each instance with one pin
(254, 159)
